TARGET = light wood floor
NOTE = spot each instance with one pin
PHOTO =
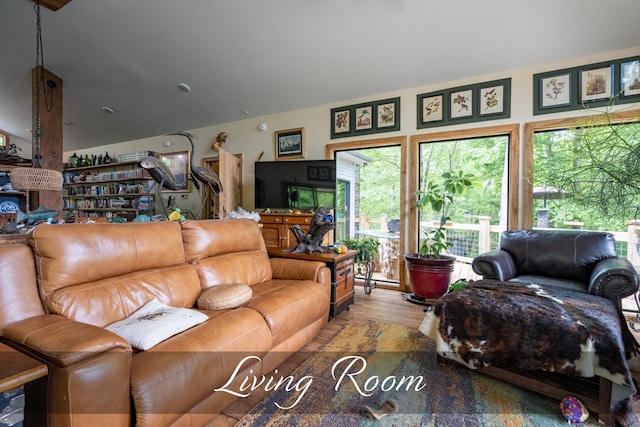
(382, 305)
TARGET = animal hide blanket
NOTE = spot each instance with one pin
(525, 327)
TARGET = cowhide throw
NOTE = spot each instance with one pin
(526, 327)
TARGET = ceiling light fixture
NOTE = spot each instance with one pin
(108, 109)
(184, 87)
(246, 113)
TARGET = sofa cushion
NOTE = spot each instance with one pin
(154, 322)
(221, 297)
(290, 305)
(170, 378)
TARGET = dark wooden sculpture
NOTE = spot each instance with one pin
(311, 242)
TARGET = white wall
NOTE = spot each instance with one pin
(245, 137)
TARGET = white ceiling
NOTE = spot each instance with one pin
(272, 56)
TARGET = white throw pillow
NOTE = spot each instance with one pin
(154, 322)
(220, 297)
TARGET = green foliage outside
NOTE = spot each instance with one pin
(598, 170)
(599, 166)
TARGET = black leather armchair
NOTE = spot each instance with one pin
(585, 261)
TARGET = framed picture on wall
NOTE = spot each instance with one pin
(630, 79)
(555, 91)
(491, 100)
(431, 108)
(461, 104)
(595, 84)
(290, 144)
(364, 117)
(386, 114)
(340, 122)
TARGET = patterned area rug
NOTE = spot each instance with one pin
(369, 362)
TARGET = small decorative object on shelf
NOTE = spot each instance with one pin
(311, 242)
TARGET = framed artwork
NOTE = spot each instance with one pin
(491, 100)
(290, 144)
(386, 114)
(461, 104)
(430, 108)
(595, 84)
(630, 79)
(341, 121)
(465, 104)
(364, 117)
(179, 163)
(555, 91)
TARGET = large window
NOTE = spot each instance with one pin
(488, 154)
(584, 173)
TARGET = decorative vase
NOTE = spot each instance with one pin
(429, 277)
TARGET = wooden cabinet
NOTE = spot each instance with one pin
(115, 189)
(10, 198)
(342, 274)
(275, 228)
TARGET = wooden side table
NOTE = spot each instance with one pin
(342, 274)
(18, 369)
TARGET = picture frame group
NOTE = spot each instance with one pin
(366, 118)
(289, 144)
(463, 104)
(593, 85)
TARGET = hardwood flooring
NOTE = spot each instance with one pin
(383, 305)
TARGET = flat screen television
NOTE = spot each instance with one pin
(296, 184)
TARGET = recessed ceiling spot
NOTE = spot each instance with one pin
(108, 109)
(184, 87)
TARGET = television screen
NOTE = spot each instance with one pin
(299, 184)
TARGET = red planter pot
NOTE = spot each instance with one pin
(429, 277)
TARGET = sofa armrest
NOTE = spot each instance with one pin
(495, 265)
(62, 341)
(88, 382)
(297, 269)
(614, 278)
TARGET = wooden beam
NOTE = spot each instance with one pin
(52, 4)
(50, 147)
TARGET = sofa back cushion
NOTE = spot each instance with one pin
(226, 251)
(101, 273)
(566, 254)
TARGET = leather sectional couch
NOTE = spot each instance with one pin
(59, 292)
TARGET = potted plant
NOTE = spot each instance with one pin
(367, 248)
(430, 269)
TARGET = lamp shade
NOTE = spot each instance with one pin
(35, 179)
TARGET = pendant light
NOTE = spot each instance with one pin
(35, 178)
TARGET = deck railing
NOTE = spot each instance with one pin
(469, 240)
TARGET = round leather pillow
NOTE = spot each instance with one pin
(221, 297)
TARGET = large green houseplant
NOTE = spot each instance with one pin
(430, 269)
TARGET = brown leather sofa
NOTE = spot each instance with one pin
(58, 293)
